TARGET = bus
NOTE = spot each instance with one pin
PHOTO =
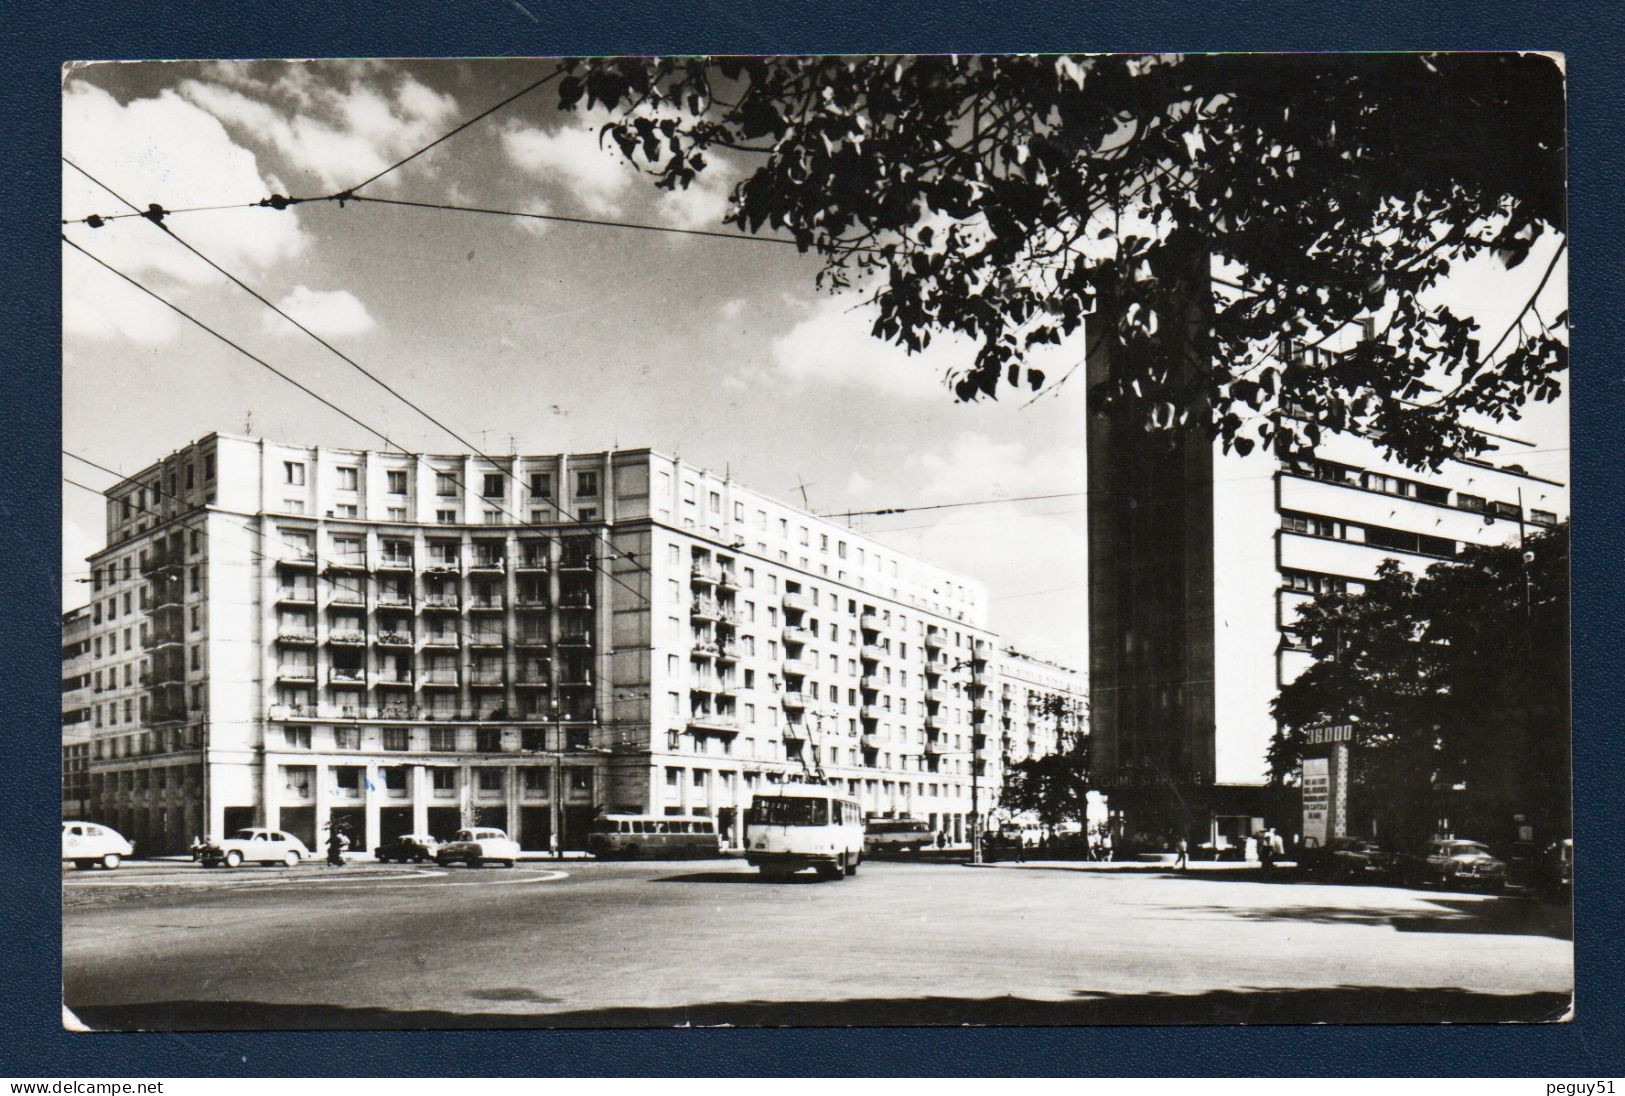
(804, 826)
(629, 836)
(897, 835)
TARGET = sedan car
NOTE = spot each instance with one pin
(1454, 862)
(1347, 858)
(408, 848)
(259, 845)
(87, 844)
(478, 846)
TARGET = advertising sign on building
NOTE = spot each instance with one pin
(1317, 786)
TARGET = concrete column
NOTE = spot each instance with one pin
(510, 795)
(270, 792)
(370, 787)
(215, 824)
(324, 803)
(418, 783)
(555, 796)
(466, 800)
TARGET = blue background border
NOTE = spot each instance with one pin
(41, 36)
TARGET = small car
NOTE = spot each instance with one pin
(1346, 858)
(260, 845)
(408, 848)
(477, 846)
(1452, 861)
(87, 844)
(897, 835)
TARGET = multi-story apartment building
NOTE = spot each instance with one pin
(76, 699)
(1199, 560)
(1040, 704)
(286, 636)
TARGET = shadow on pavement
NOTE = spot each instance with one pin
(748, 878)
(1337, 1005)
(1499, 916)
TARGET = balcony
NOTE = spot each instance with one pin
(441, 603)
(297, 560)
(346, 597)
(705, 610)
(934, 723)
(727, 581)
(704, 649)
(935, 696)
(487, 564)
(296, 637)
(794, 701)
(576, 563)
(705, 685)
(300, 675)
(795, 603)
(488, 678)
(441, 567)
(934, 641)
(394, 599)
(869, 682)
(394, 639)
(576, 603)
(935, 749)
(871, 653)
(869, 620)
(795, 732)
(533, 639)
(533, 602)
(338, 675)
(493, 603)
(576, 639)
(794, 634)
(531, 563)
(869, 713)
(346, 639)
(395, 681)
(870, 741)
(715, 722)
(487, 639)
(296, 595)
(439, 679)
(727, 652)
(703, 576)
(533, 683)
(390, 562)
(347, 564)
(440, 641)
(575, 679)
(795, 667)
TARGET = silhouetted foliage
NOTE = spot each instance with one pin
(1457, 678)
(1004, 198)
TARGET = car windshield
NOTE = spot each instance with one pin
(244, 835)
(1467, 848)
(785, 810)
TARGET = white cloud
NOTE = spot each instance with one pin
(832, 347)
(332, 134)
(331, 313)
(733, 309)
(595, 175)
(978, 466)
(704, 203)
(99, 305)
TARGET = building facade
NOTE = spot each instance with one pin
(76, 700)
(288, 636)
(1199, 562)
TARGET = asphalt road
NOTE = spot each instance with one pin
(583, 944)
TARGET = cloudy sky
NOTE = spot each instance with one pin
(558, 336)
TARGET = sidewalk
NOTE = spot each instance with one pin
(1145, 866)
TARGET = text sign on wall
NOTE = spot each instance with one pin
(1326, 736)
(1317, 786)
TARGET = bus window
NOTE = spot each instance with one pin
(788, 810)
(706, 827)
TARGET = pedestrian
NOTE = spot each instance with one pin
(1106, 846)
(335, 849)
(1266, 849)
(1277, 847)
(942, 839)
(553, 845)
(1021, 847)
(1182, 861)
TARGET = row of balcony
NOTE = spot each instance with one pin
(432, 679)
(435, 566)
(304, 595)
(722, 652)
(411, 713)
(702, 575)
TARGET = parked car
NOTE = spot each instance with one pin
(478, 846)
(1456, 862)
(1347, 858)
(896, 835)
(87, 844)
(408, 847)
(259, 845)
(1557, 868)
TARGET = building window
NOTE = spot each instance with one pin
(208, 466)
(588, 513)
(347, 738)
(1475, 503)
(587, 485)
(293, 473)
(490, 739)
(346, 510)
(493, 485)
(493, 517)
(397, 483)
(541, 485)
(296, 738)
(490, 780)
(442, 739)
(395, 738)
(445, 485)
(446, 517)
(1543, 517)
(397, 513)
(293, 506)
(348, 479)
(443, 780)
